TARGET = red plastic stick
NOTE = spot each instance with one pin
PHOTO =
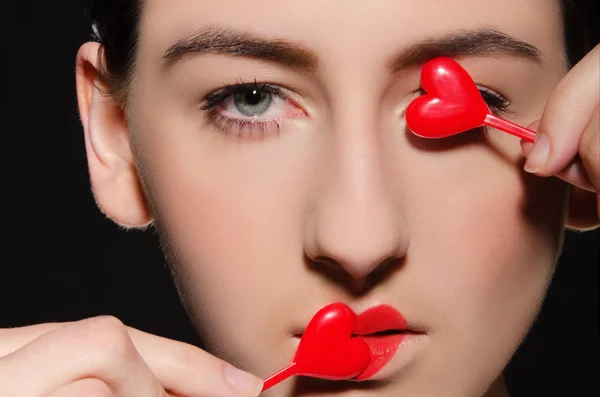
(279, 376)
(453, 104)
(327, 349)
(511, 128)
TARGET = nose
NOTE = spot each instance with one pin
(356, 227)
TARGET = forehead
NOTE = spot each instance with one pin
(329, 24)
(350, 27)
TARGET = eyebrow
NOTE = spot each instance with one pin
(480, 42)
(214, 40)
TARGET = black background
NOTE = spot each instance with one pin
(64, 261)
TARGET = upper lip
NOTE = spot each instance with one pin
(376, 319)
(379, 319)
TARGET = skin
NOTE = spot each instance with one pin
(460, 235)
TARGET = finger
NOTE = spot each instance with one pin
(181, 369)
(184, 369)
(575, 173)
(566, 116)
(584, 210)
(589, 149)
(100, 348)
(12, 339)
(84, 388)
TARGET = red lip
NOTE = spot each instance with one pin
(381, 327)
(379, 319)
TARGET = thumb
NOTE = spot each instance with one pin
(574, 173)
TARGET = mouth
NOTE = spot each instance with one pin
(383, 329)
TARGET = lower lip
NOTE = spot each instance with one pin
(383, 349)
(390, 353)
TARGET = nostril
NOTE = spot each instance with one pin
(384, 270)
(330, 268)
(323, 260)
(357, 283)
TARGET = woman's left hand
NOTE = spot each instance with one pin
(567, 144)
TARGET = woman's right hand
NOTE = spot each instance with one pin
(101, 357)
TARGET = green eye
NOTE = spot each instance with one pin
(252, 101)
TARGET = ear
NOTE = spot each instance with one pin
(114, 177)
(584, 209)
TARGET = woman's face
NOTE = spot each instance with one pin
(274, 201)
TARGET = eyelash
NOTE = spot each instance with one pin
(226, 125)
(495, 101)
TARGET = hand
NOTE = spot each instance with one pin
(567, 144)
(104, 358)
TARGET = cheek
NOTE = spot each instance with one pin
(486, 240)
(492, 254)
(233, 211)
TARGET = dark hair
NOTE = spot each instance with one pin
(115, 25)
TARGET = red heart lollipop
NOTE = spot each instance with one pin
(327, 349)
(453, 104)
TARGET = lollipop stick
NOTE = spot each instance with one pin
(279, 376)
(509, 127)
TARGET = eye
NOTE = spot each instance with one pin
(251, 101)
(253, 109)
(495, 101)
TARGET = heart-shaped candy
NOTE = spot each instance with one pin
(452, 103)
(327, 349)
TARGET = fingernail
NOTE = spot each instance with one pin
(243, 382)
(539, 155)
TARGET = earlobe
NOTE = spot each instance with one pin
(113, 173)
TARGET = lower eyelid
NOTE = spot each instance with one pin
(244, 128)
